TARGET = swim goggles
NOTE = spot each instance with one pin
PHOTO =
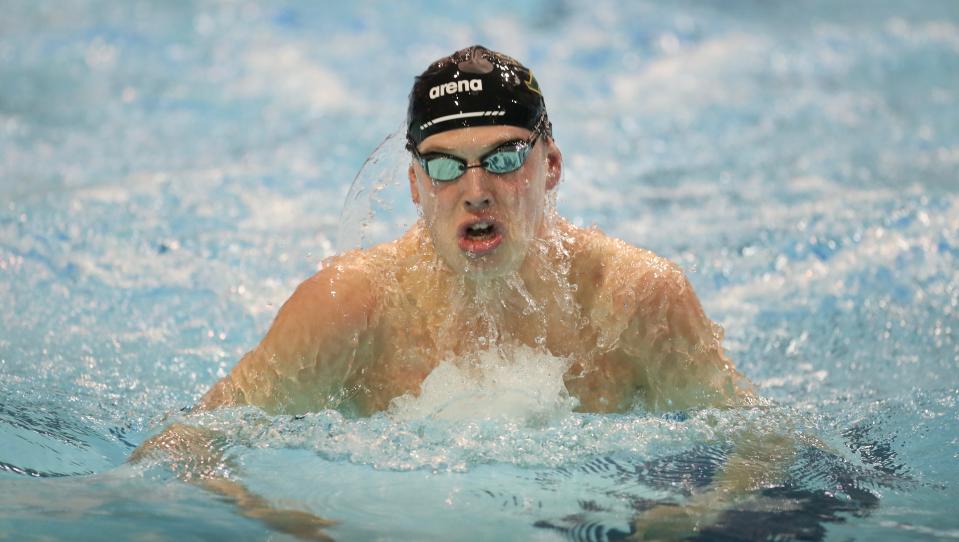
(506, 158)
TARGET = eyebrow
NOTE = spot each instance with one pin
(448, 150)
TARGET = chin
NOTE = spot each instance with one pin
(494, 264)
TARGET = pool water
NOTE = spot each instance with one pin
(169, 172)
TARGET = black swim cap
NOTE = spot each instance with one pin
(474, 87)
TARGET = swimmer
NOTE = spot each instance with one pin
(489, 265)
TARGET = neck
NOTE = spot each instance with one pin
(517, 307)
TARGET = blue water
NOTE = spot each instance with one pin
(169, 171)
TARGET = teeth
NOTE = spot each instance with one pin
(480, 226)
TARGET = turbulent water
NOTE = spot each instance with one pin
(170, 171)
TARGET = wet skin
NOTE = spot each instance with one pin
(372, 324)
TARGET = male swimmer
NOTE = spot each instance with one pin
(489, 265)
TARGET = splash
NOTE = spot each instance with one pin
(373, 210)
(523, 385)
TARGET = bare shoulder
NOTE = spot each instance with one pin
(625, 277)
(309, 349)
(646, 310)
(345, 286)
(348, 291)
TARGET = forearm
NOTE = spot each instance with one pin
(197, 455)
(298, 523)
(758, 459)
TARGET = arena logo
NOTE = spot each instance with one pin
(454, 87)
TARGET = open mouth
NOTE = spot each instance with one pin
(480, 236)
(480, 230)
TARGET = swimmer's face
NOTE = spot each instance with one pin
(483, 222)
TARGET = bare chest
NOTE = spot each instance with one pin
(602, 380)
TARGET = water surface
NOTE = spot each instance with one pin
(170, 171)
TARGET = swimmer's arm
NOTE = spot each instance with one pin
(320, 336)
(682, 365)
(759, 460)
(196, 455)
(305, 358)
(677, 349)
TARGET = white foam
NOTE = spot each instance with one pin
(521, 385)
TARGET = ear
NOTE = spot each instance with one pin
(554, 165)
(414, 190)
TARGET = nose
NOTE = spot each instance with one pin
(476, 190)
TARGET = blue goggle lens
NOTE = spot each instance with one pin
(443, 168)
(505, 161)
